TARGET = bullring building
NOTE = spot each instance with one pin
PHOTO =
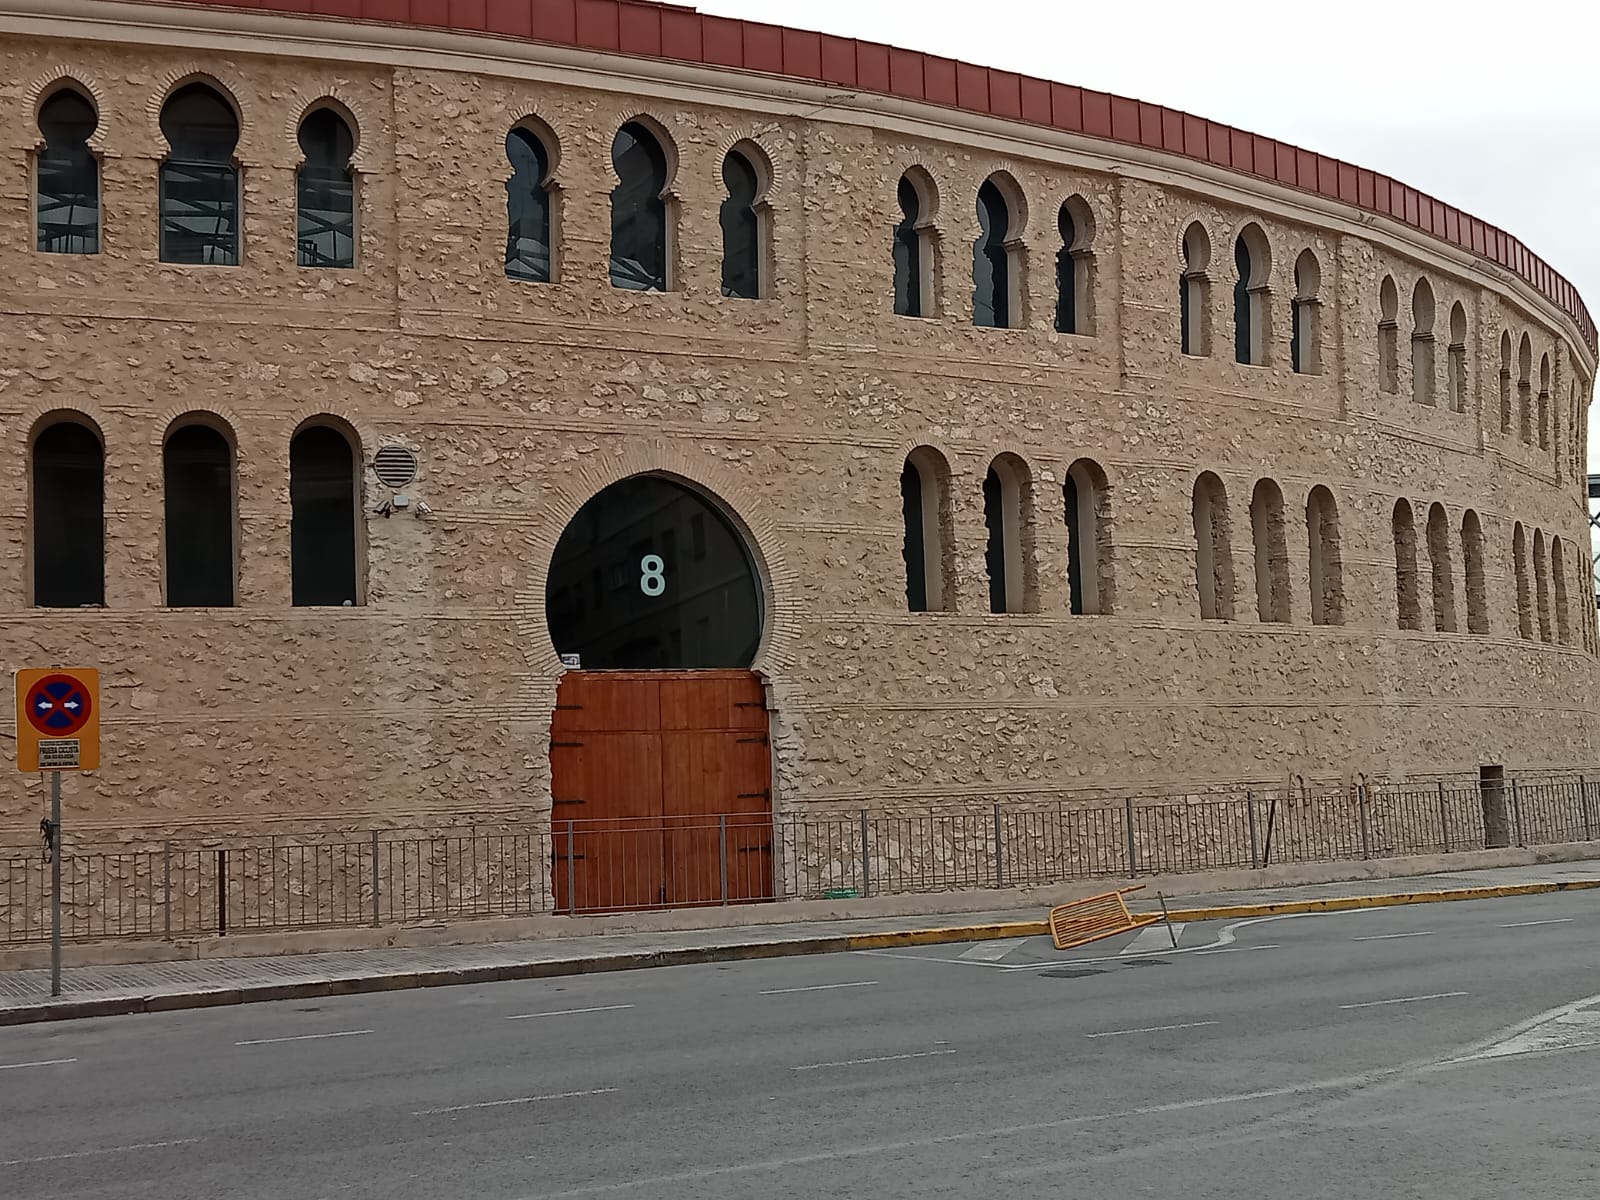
(430, 415)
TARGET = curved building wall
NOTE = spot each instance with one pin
(431, 696)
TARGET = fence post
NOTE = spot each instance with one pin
(999, 852)
(166, 890)
(1444, 819)
(722, 852)
(1516, 810)
(1133, 847)
(222, 893)
(1250, 807)
(866, 865)
(1361, 812)
(374, 878)
(1583, 799)
(572, 877)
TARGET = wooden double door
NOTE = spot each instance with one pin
(661, 783)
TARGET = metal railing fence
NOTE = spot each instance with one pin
(186, 887)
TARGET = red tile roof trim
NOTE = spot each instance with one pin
(647, 29)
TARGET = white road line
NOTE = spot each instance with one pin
(819, 987)
(303, 1037)
(1239, 949)
(429, 1112)
(1153, 939)
(17, 1162)
(856, 1062)
(48, 1062)
(1149, 1029)
(1404, 999)
(569, 1012)
(1385, 937)
(1526, 924)
(992, 951)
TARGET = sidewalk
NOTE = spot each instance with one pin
(200, 983)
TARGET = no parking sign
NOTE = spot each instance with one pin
(58, 719)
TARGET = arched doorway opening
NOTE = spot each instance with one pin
(661, 772)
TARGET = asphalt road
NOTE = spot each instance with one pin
(1431, 1051)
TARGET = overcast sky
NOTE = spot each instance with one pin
(1493, 107)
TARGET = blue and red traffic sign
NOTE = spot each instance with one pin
(58, 706)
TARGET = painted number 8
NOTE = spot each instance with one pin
(652, 575)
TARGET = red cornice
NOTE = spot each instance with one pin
(653, 30)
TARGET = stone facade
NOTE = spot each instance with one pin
(430, 702)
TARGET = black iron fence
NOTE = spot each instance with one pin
(185, 887)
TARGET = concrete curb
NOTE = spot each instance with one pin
(66, 1010)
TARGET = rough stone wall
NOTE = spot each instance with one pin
(430, 703)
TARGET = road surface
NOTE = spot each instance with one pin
(1448, 1050)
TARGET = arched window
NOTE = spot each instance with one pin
(641, 232)
(743, 248)
(1251, 311)
(1388, 336)
(996, 294)
(198, 475)
(1408, 606)
(1458, 358)
(1505, 382)
(1477, 590)
(529, 195)
(1541, 585)
(925, 506)
(68, 517)
(67, 176)
(1271, 552)
(1544, 402)
(1008, 515)
(1075, 269)
(1558, 573)
(1444, 588)
(199, 183)
(1327, 576)
(1213, 550)
(1525, 390)
(1422, 360)
(1084, 497)
(914, 247)
(1305, 340)
(322, 528)
(1519, 563)
(327, 197)
(1194, 292)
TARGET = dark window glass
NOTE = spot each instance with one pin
(638, 211)
(322, 528)
(68, 177)
(327, 192)
(1241, 303)
(1067, 276)
(198, 473)
(908, 253)
(199, 184)
(68, 517)
(741, 231)
(1185, 289)
(527, 208)
(1295, 308)
(1069, 493)
(994, 555)
(664, 610)
(915, 546)
(991, 275)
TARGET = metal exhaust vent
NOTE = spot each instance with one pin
(395, 466)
